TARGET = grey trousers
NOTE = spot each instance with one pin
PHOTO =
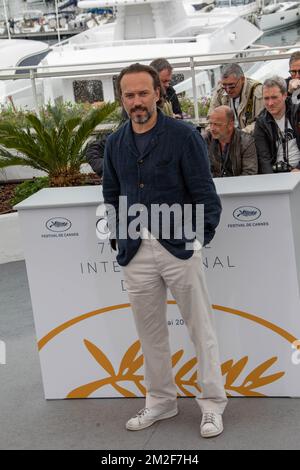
(147, 277)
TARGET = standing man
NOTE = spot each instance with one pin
(242, 94)
(164, 69)
(153, 159)
(277, 130)
(231, 151)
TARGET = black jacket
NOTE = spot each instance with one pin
(94, 155)
(173, 99)
(94, 152)
(266, 136)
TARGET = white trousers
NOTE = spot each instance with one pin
(147, 277)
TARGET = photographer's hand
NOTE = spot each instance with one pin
(294, 84)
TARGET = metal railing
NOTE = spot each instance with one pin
(110, 68)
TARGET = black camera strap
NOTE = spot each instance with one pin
(225, 158)
(283, 140)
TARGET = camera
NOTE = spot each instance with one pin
(282, 167)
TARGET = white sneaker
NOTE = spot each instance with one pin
(211, 424)
(148, 416)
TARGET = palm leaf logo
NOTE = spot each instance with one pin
(185, 377)
(130, 363)
(254, 380)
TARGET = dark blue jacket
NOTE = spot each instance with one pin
(173, 169)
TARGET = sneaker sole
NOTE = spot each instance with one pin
(170, 414)
(212, 434)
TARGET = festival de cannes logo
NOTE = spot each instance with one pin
(58, 224)
(247, 214)
(241, 379)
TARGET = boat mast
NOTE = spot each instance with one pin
(57, 21)
(6, 19)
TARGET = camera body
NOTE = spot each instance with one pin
(282, 167)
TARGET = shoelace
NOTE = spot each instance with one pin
(209, 418)
(143, 412)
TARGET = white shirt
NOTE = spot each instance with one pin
(293, 151)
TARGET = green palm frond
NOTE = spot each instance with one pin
(27, 144)
(14, 137)
(8, 159)
(95, 117)
(53, 142)
(42, 137)
(67, 129)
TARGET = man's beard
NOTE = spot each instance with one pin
(141, 119)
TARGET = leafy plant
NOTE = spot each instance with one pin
(67, 108)
(9, 113)
(28, 188)
(54, 142)
(187, 106)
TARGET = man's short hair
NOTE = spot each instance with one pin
(295, 56)
(229, 114)
(161, 64)
(139, 68)
(276, 81)
(232, 69)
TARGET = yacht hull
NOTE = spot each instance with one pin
(278, 19)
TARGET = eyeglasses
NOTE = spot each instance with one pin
(230, 86)
(294, 72)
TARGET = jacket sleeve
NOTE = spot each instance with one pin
(263, 149)
(258, 103)
(258, 100)
(249, 158)
(215, 100)
(199, 183)
(173, 98)
(258, 106)
(111, 190)
(94, 155)
(176, 105)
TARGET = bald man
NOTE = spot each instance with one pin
(231, 151)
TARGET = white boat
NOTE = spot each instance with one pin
(36, 2)
(15, 53)
(144, 30)
(261, 71)
(278, 15)
(244, 8)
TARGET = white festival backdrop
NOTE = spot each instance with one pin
(86, 336)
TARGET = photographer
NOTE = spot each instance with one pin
(242, 94)
(231, 151)
(277, 132)
(165, 70)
